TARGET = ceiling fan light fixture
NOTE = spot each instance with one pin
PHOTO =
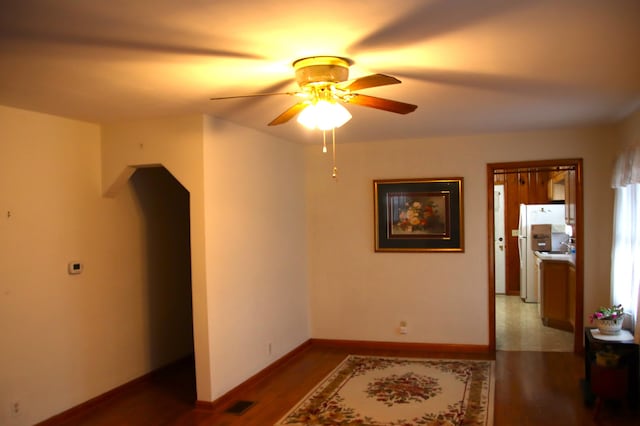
(324, 115)
(324, 86)
(307, 117)
(331, 115)
(321, 69)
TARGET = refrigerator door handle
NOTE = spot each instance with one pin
(521, 240)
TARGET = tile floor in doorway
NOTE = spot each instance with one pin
(519, 328)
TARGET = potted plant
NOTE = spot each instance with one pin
(608, 319)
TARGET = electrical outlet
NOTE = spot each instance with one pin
(16, 409)
(270, 348)
(403, 329)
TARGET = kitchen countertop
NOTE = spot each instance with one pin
(562, 257)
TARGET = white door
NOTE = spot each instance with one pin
(498, 240)
(522, 250)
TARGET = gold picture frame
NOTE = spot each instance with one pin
(419, 215)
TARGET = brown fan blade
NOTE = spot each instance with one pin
(288, 114)
(380, 103)
(373, 80)
(255, 95)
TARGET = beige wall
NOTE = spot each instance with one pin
(247, 231)
(630, 130)
(259, 302)
(256, 253)
(176, 143)
(280, 252)
(362, 295)
(65, 338)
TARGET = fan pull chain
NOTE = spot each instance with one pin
(335, 169)
(334, 173)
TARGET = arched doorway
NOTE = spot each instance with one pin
(165, 213)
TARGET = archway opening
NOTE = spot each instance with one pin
(165, 213)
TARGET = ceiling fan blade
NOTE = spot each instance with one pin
(102, 27)
(380, 103)
(288, 114)
(373, 80)
(431, 19)
(485, 81)
(255, 95)
(120, 44)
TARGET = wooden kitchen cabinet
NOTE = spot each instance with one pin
(556, 186)
(556, 298)
(572, 295)
(562, 186)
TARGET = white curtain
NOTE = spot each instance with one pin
(625, 253)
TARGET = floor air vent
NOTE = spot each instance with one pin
(239, 407)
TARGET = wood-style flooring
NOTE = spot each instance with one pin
(532, 388)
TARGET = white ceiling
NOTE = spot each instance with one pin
(471, 66)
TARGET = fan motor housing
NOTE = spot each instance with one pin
(321, 69)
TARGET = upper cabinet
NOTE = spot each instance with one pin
(556, 186)
(562, 186)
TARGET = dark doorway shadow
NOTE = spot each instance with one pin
(164, 205)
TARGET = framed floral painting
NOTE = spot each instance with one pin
(418, 215)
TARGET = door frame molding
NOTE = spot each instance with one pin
(578, 341)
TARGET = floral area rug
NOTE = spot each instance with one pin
(377, 391)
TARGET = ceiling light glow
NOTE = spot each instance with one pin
(324, 115)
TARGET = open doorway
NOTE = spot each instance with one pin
(532, 182)
(165, 212)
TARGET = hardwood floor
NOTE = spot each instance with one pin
(532, 388)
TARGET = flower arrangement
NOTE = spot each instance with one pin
(417, 216)
(607, 313)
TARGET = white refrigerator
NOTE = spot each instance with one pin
(536, 214)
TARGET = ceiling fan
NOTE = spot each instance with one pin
(324, 79)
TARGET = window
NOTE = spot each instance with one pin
(625, 255)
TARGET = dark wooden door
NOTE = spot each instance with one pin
(520, 187)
